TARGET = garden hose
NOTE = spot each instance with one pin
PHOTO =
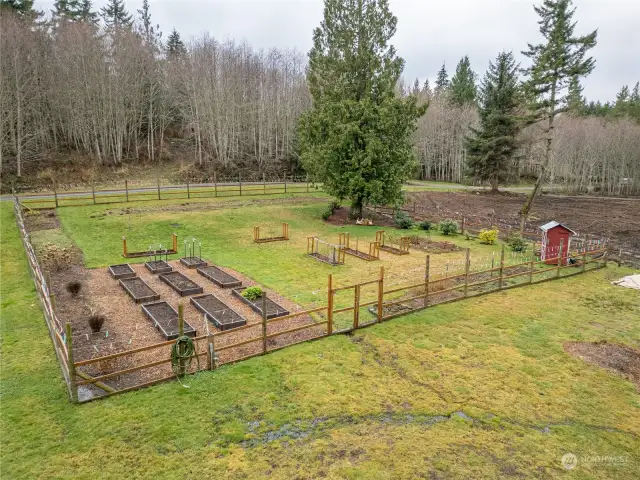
(182, 354)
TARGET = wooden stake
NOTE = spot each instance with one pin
(559, 262)
(584, 260)
(380, 294)
(426, 281)
(215, 184)
(264, 185)
(55, 193)
(188, 190)
(501, 267)
(158, 188)
(356, 306)
(285, 183)
(93, 192)
(124, 246)
(264, 322)
(531, 262)
(466, 272)
(70, 364)
(330, 305)
(126, 189)
(240, 183)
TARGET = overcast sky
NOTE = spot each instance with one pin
(429, 31)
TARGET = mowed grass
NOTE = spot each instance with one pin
(476, 389)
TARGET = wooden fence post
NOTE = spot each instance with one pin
(215, 184)
(188, 190)
(124, 246)
(426, 281)
(70, 364)
(559, 262)
(330, 305)
(52, 297)
(619, 257)
(356, 306)
(501, 267)
(584, 260)
(55, 193)
(264, 185)
(462, 227)
(240, 183)
(264, 322)
(466, 272)
(531, 262)
(181, 365)
(285, 183)
(211, 352)
(158, 188)
(307, 180)
(126, 189)
(93, 193)
(380, 295)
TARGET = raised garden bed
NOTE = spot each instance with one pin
(273, 309)
(219, 277)
(139, 290)
(158, 266)
(326, 259)
(218, 312)
(165, 319)
(361, 255)
(181, 284)
(122, 271)
(193, 262)
(393, 250)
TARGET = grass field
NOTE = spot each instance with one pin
(480, 388)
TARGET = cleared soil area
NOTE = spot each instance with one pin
(614, 218)
(621, 359)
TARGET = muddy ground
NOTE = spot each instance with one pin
(621, 359)
(612, 218)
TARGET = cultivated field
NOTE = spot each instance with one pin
(491, 387)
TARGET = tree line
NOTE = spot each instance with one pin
(107, 85)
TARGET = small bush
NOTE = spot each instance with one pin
(425, 225)
(74, 287)
(403, 220)
(517, 243)
(327, 214)
(96, 320)
(334, 205)
(488, 237)
(448, 227)
(252, 293)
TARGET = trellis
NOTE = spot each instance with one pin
(344, 239)
(283, 236)
(325, 252)
(403, 244)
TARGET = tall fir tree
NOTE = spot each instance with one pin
(492, 146)
(87, 14)
(175, 46)
(150, 32)
(426, 89)
(576, 104)
(462, 90)
(442, 81)
(356, 137)
(24, 8)
(115, 15)
(560, 57)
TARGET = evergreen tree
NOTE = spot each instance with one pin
(555, 61)
(356, 137)
(462, 90)
(416, 87)
(426, 89)
(65, 11)
(491, 147)
(115, 15)
(576, 103)
(175, 46)
(23, 8)
(634, 102)
(621, 106)
(442, 81)
(151, 34)
(86, 13)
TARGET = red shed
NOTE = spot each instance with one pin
(553, 233)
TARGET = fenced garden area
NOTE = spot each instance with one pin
(207, 303)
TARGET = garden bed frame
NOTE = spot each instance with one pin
(282, 237)
(374, 248)
(336, 254)
(169, 325)
(219, 277)
(149, 253)
(117, 273)
(130, 284)
(158, 266)
(173, 278)
(193, 262)
(273, 309)
(218, 312)
(404, 244)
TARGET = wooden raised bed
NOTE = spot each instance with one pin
(219, 277)
(139, 290)
(273, 309)
(181, 284)
(158, 266)
(193, 262)
(122, 271)
(165, 319)
(217, 312)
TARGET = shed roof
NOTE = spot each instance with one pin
(552, 224)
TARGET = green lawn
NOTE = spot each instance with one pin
(480, 388)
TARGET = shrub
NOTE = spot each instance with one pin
(334, 205)
(403, 220)
(425, 225)
(96, 320)
(488, 237)
(252, 293)
(327, 213)
(74, 287)
(517, 243)
(448, 227)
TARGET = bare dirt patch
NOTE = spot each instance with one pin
(621, 359)
(340, 217)
(613, 218)
(41, 220)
